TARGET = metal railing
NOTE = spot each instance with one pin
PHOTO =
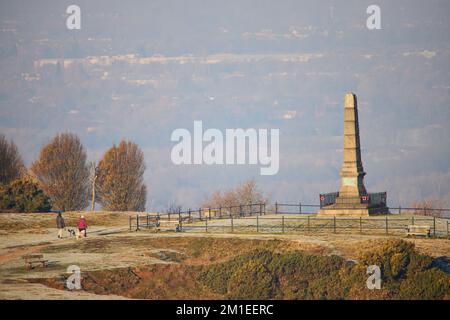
(149, 220)
(307, 224)
(377, 199)
(372, 199)
(253, 217)
(327, 199)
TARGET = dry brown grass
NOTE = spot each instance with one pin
(169, 262)
(16, 222)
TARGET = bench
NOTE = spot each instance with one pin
(169, 225)
(32, 259)
(209, 214)
(418, 230)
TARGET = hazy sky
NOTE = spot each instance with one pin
(237, 64)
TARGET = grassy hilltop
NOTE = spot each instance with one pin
(117, 263)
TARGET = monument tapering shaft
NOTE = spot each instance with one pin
(352, 171)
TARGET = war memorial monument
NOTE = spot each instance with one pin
(352, 198)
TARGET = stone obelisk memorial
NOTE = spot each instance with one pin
(352, 198)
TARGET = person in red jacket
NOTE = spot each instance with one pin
(82, 226)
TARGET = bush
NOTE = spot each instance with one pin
(427, 285)
(397, 259)
(219, 276)
(263, 274)
(253, 281)
(23, 195)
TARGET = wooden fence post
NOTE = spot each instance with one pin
(200, 214)
(260, 208)
(276, 207)
(399, 209)
(240, 210)
(447, 228)
(130, 222)
(412, 220)
(334, 224)
(308, 224)
(360, 224)
(300, 208)
(137, 222)
(264, 204)
(147, 222)
(168, 215)
(434, 226)
(220, 212)
(231, 221)
(257, 224)
(189, 213)
(282, 224)
(206, 225)
(209, 213)
(387, 225)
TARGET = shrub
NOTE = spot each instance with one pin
(392, 257)
(251, 280)
(219, 276)
(263, 274)
(23, 196)
(426, 285)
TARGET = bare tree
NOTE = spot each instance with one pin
(120, 185)
(11, 164)
(428, 207)
(63, 173)
(173, 208)
(244, 194)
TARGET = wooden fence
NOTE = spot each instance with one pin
(253, 218)
(307, 224)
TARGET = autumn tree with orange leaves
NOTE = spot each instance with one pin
(120, 185)
(63, 173)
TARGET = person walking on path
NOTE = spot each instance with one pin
(60, 224)
(82, 226)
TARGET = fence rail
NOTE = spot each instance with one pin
(253, 218)
(286, 208)
(149, 220)
(307, 224)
